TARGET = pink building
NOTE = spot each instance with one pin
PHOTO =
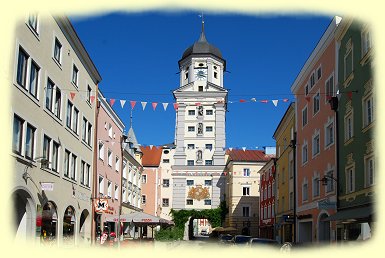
(151, 179)
(316, 148)
(107, 181)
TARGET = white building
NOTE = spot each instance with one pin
(198, 181)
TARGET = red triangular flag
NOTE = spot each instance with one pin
(198, 104)
(242, 100)
(176, 105)
(350, 94)
(264, 101)
(132, 104)
(112, 101)
(72, 94)
(308, 99)
(285, 100)
(92, 98)
(154, 104)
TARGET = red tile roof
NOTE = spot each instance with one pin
(249, 155)
(151, 157)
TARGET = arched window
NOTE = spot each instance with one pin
(69, 221)
(48, 223)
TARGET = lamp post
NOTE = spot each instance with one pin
(293, 145)
(123, 139)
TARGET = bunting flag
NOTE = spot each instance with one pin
(307, 99)
(154, 104)
(122, 102)
(198, 104)
(350, 95)
(143, 104)
(230, 148)
(253, 99)
(242, 100)
(176, 105)
(133, 103)
(151, 146)
(92, 98)
(275, 102)
(285, 100)
(243, 148)
(112, 101)
(264, 101)
(72, 94)
(165, 106)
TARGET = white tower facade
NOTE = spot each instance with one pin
(200, 135)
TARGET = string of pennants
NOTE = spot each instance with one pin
(165, 105)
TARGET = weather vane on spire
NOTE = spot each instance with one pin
(203, 22)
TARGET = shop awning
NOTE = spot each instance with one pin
(140, 218)
(351, 214)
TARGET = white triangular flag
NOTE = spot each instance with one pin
(143, 104)
(151, 146)
(230, 148)
(275, 102)
(165, 106)
(122, 102)
(253, 99)
(243, 148)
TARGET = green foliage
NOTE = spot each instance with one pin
(168, 234)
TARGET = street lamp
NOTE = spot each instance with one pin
(293, 145)
(326, 178)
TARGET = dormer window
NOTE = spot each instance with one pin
(200, 88)
(201, 64)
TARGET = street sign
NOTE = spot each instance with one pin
(46, 186)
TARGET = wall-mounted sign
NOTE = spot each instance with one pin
(46, 186)
(101, 205)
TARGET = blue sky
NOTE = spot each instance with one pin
(137, 56)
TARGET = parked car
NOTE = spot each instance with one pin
(263, 242)
(225, 238)
(240, 240)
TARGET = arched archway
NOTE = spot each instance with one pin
(24, 215)
(198, 226)
(49, 217)
(69, 221)
(84, 227)
(323, 228)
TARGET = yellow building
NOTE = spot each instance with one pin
(284, 176)
(242, 190)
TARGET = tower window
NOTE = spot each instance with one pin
(186, 76)
(215, 75)
(200, 64)
(215, 67)
(200, 88)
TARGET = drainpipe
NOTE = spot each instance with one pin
(294, 146)
(94, 170)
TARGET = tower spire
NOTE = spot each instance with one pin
(202, 37)
(131, 119)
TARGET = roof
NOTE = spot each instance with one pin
(249, 155)
(151, 156)
(202, 47)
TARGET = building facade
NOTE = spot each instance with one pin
(356, 124)
(199, 157)
(242, 190)
(284, 176)
(316, 149)
(53, 84)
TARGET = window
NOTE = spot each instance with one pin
(34, 79)
(316, 103)
(208, 202)
(22, 63)
(208, 162)
(89, 90)
(109, 188)
(72, 117)
(215, 75)
(291, 200)
(312, 80)
(101, 185)
(190, 146)
(144, 179)
(109, 155)
(190, 182)
(29, 141)
(189, 202)
(117, 164)
(166, 160)
(329, 87)
(209, 146)
(69, 165)
(200, 88)
(207, 182)
(166, 182)
(246, 190)
(209, 112)
(57, 51)
(165, 202)
(349, 126)
(17, 134)
(283, 175)
(85, 173)
(116, 192)
(101, 150)
(330, 182)
(144, 199)
(110, 130)
(246, 172)
(191, 129)
(368, 110)
(32, 22)
(306, 89)
(304, 192)
(75, 72)
(209, 128)
(46, 147)
(304, 153)
(369, 171)
(246, 211)
(316, 145)
(304, 116)
(283, 203)
(190, 162)
(329, 135)
(319, 73)
(291, 168)
(316, 186)
(350, 184)
(55, 156)
(191, 112)
(268, 191)
(73, 167)
(348, 63)
(366, 42)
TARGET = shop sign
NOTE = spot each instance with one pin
(46, 186)
(146, 220)
(101, 205)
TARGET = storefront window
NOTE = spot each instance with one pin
(69, 226)
(48, 224)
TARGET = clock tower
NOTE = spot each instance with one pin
(200, 138)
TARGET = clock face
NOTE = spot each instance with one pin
(201, 74)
